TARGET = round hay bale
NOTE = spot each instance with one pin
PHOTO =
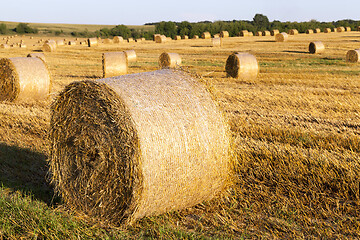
(118, 39)
(358, 28)
(177, 37)
(327, 30)
(195, 37)
(293, 32)
(22, 45)
(353, 56)
(130, 55)
(309, 31)
(348, 29)
(143, 39)
(244, 33)
(137, 145)
(340, 29)
(205, 35)
(317, 30)
(130, 40)
(71, 43)
(185, 37)
(168, 39)
(114, 64)
(60, 42)
(37, 54)
(266, 33)
(251, 34)
(138, 40)
(160, 38)
(107, 41)
(216, 42)
(154, 36)
(274, 32)
(242, 65)
(224, 34)
(316, 47)
(217, 35)
(4, 45)
(258, 33)
(50, 41)
(281, 37)
(169, 60)
(92, 42)
(24, 78)
(49, 46)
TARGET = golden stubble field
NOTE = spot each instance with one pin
(296, 131)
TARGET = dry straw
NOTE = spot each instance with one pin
(316, 47)
(169, 60)
(160, 38)
(4, 45)
(353, 56)
(138, 40)
(24, 78)
(348, 29)
(244, 33)
(274, 32)
(309, 31)
(137, 145)
(281, 37)
(195, 37)
(72, 43)
(266, 33)
(327, 30)
(92, 42)
(224, 34)
(242, 65)
(118, 39)
(317, 30)
(177, 37)
(358, 28)
(293, 32)
(340, 29)
(49, 46)
(130, 40)
(114, 64)
(37, 54)
(60, 42)
(258, 33)
(130, 55)
(217, 35)
(251, 34)
(216, 42)
(206, 35)
(108, 41)
(185, 37)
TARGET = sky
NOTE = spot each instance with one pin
(138, 12)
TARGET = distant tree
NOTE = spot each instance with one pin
(261, 21)
(24, 28)
(120, 30)
(3, 29)
(166, 28)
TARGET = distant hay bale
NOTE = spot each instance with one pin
(177, 37)
(195, 37)
(216, 42)
(217, 35)
(143, 39)
(317, 30)
(224, 34)
(358, 28)
(137, 145)
(71, 43)
(353, 56)
(138, 40)
(130, 55)
(258, 33)
(293, 32)
(154, 36)
(24, 78)
(281, 37)
(50, 41)
(118, 39)
(130, 40)
(185, 37)
(251, 34)
(114, 64)
(22, 45)
(348, 29)
(37, 54)
(266, 33)
(49, 46)
(108, 41)
(242, 65)
(169, 39)
(316, 47)
(160, 38)
(60, 42)
(92, 42)
(274, 32)
(205, 35)
(169, 60)
(4, 45)
(244, 33)
(327, 30)
(340, 29)
(309, 31)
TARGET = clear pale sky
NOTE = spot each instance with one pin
(138, 12)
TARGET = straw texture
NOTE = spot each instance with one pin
(184, 37)
(316, 47)
(266, 33)
(309, 31)
(130, 40)
(258, 33)
(37, 54)
(224, 34)
(92, 42)
(130, 55)
(137, 145)
(177, 37)
(49, 46)
(108, 41)
(244, 33)
(114, 64)
(24, 78)
(274, 32)
(293, 32)
(160, 38)
(195, 37)
(327, 30)
(317, 30)
(4, 45)
(348, 29)
(340, 29)
(60, 42)
(353, 56)
(242, 65)
(206, 35)
(281, 37)
(216, 42)
(118, 39)
(169, 60)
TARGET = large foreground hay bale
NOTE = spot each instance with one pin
(281, 37)
(92, 42)
(130, 55)
(37, 54)
(24, 78)
(206, 35)
(160, 38)
(216, 42)
(224, 34)
(114, 64)
(353, 56)
(316, 47)
(293, 32)
(169, 60)
(327, 30)
(274, 32)
(137, 145)
(242, 65)
(118, 39)
(49, 46)
(309, 31)
(266, 33)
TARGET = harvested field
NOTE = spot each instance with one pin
(295, 131)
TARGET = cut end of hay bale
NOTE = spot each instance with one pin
(244, 33)
(274, 32)
(169, 60)
(130, 55)
(281, 37)
(137, 145)
(114, 64)
(293, 32)
(327, 30)
(37, 54)
(353, 56)
(49, 46)
(92, 42)
(242, 65)
(216, 42)
(160, 38)
(316, 47)
(206, 35)
(266, 33)
(224, 34)
(118, 39)
(309, 31)
(24, 78)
